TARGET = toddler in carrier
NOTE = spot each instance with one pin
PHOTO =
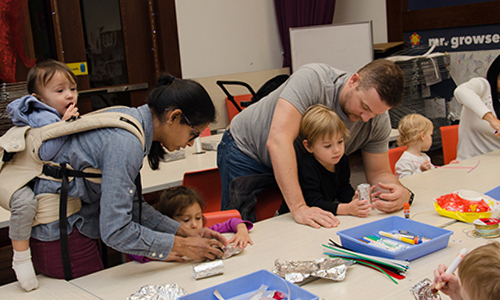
(52, 98)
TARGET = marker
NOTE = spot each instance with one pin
(421, 239)
(394, 246)
(452, 267)
(398, 237)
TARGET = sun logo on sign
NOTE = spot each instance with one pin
(415, 39)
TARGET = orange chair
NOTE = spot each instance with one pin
(231, 109)
(449, 141)
(220, 216)
(207, 183)
(206, 132)
(268, 202)
(394, 155)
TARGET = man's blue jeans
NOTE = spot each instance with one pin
(232, 163)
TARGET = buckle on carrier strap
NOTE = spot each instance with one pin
(57, 172)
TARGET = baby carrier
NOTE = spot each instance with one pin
(20, 164)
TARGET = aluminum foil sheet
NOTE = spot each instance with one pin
(423, 290)
(230, 251)
(158, 292)
(208, 269)
(296, 271)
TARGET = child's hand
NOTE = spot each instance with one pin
(452, 286)
(241, 238)
(360, 208)
(454, 162)
(426, 165)
(72, 111)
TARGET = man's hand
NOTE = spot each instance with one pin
(315, 217)
(394, 200)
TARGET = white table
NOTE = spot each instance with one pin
(171, 173)
(282, 238)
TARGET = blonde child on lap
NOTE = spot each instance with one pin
(52, 98)
(324, 173)
(478, 275)
(185, 206)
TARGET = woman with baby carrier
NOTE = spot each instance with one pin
(114, 210)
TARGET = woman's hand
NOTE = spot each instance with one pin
(198, 248)
(494, 123)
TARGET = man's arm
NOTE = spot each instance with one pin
(378, 173)
(284, 130)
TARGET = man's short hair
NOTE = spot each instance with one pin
(386, 77)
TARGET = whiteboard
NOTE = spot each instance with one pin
(347, 47)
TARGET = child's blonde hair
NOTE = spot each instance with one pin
(479, 272)
(411, 127)
(42, 73)
(320, 121)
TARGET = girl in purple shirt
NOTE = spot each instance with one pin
(185, 206)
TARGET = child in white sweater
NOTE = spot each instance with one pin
(415, 132)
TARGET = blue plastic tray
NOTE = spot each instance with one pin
(243, 287)
(494, 193)
(440, 237)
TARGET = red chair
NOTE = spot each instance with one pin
(220, 216)
(268, 202)
(207, 183)
(394, 155)
(449, 141)
(231, 109)
(206, 132)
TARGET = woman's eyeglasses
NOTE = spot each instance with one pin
(195, 132)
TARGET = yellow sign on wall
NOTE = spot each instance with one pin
(79, 68)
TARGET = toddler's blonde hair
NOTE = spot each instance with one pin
(320, 121)
(411, 127)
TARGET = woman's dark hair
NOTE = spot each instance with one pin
(174, 93)
(175, 200)
(492, 77)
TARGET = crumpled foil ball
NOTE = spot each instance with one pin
(423, 290)
(296, 271)
(230, 251)
(158, 292)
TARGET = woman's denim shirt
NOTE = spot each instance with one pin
(109, 210)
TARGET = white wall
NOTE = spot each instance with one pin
(220, 37)
(353, 11)
(239, 40)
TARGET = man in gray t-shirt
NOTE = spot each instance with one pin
(261, 138)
